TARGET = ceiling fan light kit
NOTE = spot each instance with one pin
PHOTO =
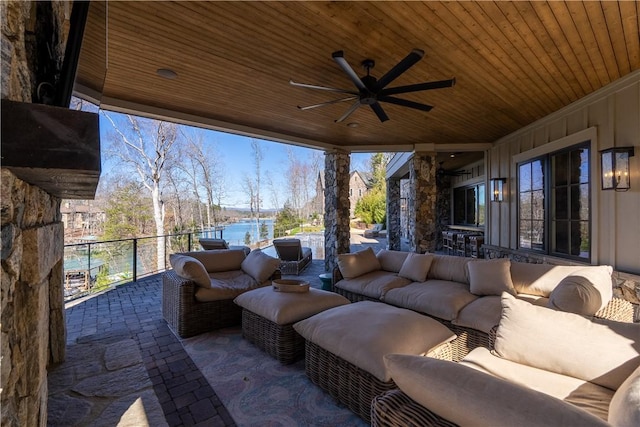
(372, 91)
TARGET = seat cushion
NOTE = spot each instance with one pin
(391, 260)
(482, 314)
(468, 397)
(362, 333)
(601, 351)
(439, 298)
(285, 308)
(259, 265)
(358, 263)
(374, 284)
(227, 285)
(592, 398)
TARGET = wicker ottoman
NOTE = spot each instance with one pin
(346, 345)
(268, 318)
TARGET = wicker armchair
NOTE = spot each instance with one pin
(293, 256)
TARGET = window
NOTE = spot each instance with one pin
(554, 204)
(469, 205)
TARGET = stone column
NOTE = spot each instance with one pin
(422, 202)
(336, 207)
(393, 214)
(443, 210)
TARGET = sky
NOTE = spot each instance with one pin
(236, 154)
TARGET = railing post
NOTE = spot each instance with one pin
(189, 242)
(164, 261)
(89, 264)
(135, 260)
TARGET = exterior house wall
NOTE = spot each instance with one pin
(31, 295)
(358, 187)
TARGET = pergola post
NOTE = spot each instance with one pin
(336, 207)
(393, 214)
(422, 202)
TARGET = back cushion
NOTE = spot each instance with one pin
(539, 279)
(357, 264)
(219, 260)
(603, 352)
(452, 268)
(391, 260)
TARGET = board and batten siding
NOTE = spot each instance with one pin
(610, 117)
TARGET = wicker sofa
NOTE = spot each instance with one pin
(198, 293)
(464, 293)
(545, 368)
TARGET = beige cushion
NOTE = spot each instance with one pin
(534, 299)
(189, 268)
(588, 396)
(391, 260)
(363, 332)
(482, 314)
(539, 279)
(438, 298)
(374, 284)
(357, 264)
(259, 265)
(219, 260)
(490, 277)
(603, 352)
(284, 308)
(227, 285)
(416, 267)
(453, 268)
(583, 292)
(467, 397)
(624, 410)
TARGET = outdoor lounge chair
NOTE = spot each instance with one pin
(208, 244)
(293, 257)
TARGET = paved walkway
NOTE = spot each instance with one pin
(124, 366)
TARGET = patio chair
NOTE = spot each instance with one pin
(293, 257)
(209, 244)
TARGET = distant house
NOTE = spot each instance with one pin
(81, 219)
(359, 185)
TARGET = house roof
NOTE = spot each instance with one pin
(514, 63)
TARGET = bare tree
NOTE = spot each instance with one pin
(257, 162)
(144, 146)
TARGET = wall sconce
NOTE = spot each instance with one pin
(497, 189)
(615, 168)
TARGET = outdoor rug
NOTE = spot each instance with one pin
(259, 391)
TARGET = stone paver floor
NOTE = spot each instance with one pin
(124, 366)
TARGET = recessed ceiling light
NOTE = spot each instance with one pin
(353, 124)
(166, 73)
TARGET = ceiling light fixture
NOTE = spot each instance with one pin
(166, 73)
(353, 125)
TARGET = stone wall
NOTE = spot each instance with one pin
(336, 211)
(33, 37)
(625, 285)
(421, 204)
(394, 214)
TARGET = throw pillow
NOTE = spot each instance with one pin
(466, 396)
(357, 264)
(259, 265)
(624, 409)
(604, 352)
(491, 277)
(584, 292)
(416, 267)
(191, 269)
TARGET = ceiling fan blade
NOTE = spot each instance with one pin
(330, 89)
(338, 56)
(418, 87)
(350, 111)
(377, 108)
(335, 101)
(402, 66)
(405, 103)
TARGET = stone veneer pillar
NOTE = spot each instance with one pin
(336, 207)
(422, 202)
(393, 214)
(31, 287)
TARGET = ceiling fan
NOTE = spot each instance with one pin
(371, 91)
(441, 171)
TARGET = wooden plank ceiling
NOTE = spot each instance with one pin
(514, 63)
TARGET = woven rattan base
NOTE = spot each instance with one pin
(280, 341)
(396, 409)
(348, 384)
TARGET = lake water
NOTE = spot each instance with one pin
(234, 233)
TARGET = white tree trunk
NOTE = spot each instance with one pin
(158, 217)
